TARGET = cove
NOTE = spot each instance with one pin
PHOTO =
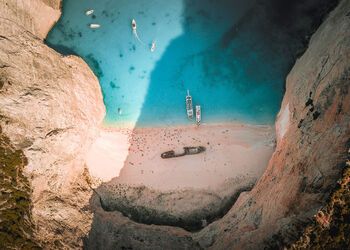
(232, 56)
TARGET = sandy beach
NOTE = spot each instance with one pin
(133, 155)
(188, 191)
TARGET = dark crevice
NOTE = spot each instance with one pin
(315, 115)
(192, 222)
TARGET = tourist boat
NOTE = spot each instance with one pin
(133, 24)
(94, 26)
(189, 107)
(198, 114)
(153, 46)
(89, 12)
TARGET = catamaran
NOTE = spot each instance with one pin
(198, 114)
(189, 107)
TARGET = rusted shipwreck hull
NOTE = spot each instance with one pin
(187, 151)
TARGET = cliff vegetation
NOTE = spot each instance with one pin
(15, 206)
(331, 227)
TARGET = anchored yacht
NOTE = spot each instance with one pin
(94, 26)
(189, 107)
(198, 114)
(89, 12)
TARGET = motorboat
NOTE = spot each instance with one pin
(189, 106)
(153, 46)
(89, 12)
(94, 26)
(133, 25)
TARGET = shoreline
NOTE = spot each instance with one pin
(105, 126)
(132, 125)
(132, 155)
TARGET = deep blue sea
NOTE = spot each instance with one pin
(222, 51)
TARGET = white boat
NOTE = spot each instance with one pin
(189, 107)
(94, 26)
(198, 114)
(89, 12)
(153, 46)
(133, 25)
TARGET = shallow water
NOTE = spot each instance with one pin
(218, 50)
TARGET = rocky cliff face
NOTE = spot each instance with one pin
(16, 226)
(50, 109)
(35, 16)
(313, 139)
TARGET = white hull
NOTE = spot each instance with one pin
(133, 24)
(198, 114)
(89, 12)
(189, 107)
(95, 26)
(153, 46)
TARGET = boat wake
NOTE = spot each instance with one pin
(138, 38)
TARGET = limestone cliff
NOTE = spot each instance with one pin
(35, 16)
(313, 139)
(50, 108)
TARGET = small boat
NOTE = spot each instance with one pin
(198, 114)
(89, 12)
(153, 46)
(94, 26)
(189, 107)
(133, 25)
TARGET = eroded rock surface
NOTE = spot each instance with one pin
(50, 107)
(35, 16)
(191, 209)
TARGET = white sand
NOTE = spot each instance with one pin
(134, 155)
(107, 154)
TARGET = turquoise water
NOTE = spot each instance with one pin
(218, 50)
